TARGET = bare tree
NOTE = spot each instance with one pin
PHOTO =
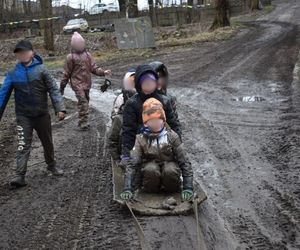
(152, 12)
(189, 11)
(221, 16)
(255, 5)
(27, 7)
(132, 8)
(46, 7)
(122, 4)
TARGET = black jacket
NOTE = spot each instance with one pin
(132, 114)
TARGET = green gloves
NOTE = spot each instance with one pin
(187, 195)
(126, 195)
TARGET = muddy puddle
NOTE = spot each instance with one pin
(248, 99)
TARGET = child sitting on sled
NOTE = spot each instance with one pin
(128, 90)
(160, 154)
(163, 81)
(78, 68)
(146, 83)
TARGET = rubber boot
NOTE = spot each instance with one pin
(55, 169)
(84, 126)
(17, 181)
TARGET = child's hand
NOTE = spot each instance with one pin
(187, 195)
(126, 195)
(61, 115)
(107, 72)
(62, 91)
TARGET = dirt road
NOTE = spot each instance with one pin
(239, 106)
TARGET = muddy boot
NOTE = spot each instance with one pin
(17, 181)
(55, 169)
(84, 126)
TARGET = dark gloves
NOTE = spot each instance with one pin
(62, 90)
(124, 161)
(187, 193)
(105, 85)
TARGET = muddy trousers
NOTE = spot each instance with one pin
(83, 98)
(166, 176)
(115, 142)
(25, 127)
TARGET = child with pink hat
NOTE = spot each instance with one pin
(78, 68)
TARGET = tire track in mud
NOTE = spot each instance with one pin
(57, 224)
(254, 234)
(282, 150)
(247, 227)
(69, 212)
(245, 155)
(261, 56)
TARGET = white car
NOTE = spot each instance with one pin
(79, 24)
(102, 8)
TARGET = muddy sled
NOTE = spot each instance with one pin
(154, 204)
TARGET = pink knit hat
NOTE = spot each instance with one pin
(77, 41)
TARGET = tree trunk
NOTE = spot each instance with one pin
(152, 12)
(122, 4)
(189, 11)
(2, 15)
(132, 9)
(254, 5)
(221, 17)
(46, 7)
(27, 7)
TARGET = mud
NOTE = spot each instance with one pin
(244, 153)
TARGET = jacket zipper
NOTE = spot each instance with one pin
(159, 152)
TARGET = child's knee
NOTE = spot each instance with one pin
(171, 177)
(151, 178)
(151, 170)
(171, 170)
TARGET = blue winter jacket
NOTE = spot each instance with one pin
(31, 86)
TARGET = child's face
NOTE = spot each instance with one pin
(155, 125)
(79, 46)
(24, 56)
(149, 86)
(129, 84)
(162, 82)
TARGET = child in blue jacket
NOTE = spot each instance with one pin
(31, 83)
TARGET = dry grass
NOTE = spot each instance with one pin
(216, 35)
(102, 56)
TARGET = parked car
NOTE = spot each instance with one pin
(102, 8)
(79, 24)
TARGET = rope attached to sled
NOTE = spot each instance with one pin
(139, 229)
(201, 245)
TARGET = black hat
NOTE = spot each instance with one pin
(160, 68)
(23, 45)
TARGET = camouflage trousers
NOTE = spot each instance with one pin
(165, 176)
(83, 98)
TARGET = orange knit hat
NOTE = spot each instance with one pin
(153, 109)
